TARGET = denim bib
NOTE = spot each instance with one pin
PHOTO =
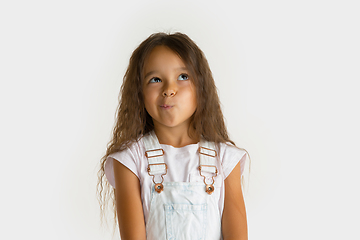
(183, 210)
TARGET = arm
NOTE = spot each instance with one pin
(128, 204)
(234, 224)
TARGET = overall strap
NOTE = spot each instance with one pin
(157, 166)
(155, 156)
(207, 163)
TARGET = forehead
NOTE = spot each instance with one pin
(162, 58)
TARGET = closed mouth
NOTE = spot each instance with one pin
(165, 106)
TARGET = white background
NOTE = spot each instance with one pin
(288, 79)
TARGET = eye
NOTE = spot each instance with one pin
(183, 76)
(154, 80)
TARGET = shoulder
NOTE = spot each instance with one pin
(131, 157)
(230, 156)
(133, 151)
(229, 150)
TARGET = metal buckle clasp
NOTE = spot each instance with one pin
(148, 153)
(209, 188)
(158, 186)
(207, 151)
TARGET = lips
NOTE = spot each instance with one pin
(166, 106)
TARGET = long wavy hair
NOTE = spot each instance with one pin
(132, 119)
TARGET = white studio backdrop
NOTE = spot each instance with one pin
(287, 74)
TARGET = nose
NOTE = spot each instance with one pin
(170, 90)
(169, 93)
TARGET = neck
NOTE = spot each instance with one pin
(174, 137)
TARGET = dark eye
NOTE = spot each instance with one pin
(154, 80)
(183, 77)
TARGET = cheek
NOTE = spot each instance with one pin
(191, 99)
(149, 98)
(193, 96)
(147, 102)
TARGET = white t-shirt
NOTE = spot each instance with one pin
(182, 166)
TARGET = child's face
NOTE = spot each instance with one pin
(169, 94)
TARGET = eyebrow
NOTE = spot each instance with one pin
(152, 72)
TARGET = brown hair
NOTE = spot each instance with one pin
(132, 119)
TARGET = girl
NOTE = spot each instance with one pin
(175, 170)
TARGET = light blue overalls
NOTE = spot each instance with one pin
(183, 210)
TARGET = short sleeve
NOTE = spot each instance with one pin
(126, 158)
(231, 157)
